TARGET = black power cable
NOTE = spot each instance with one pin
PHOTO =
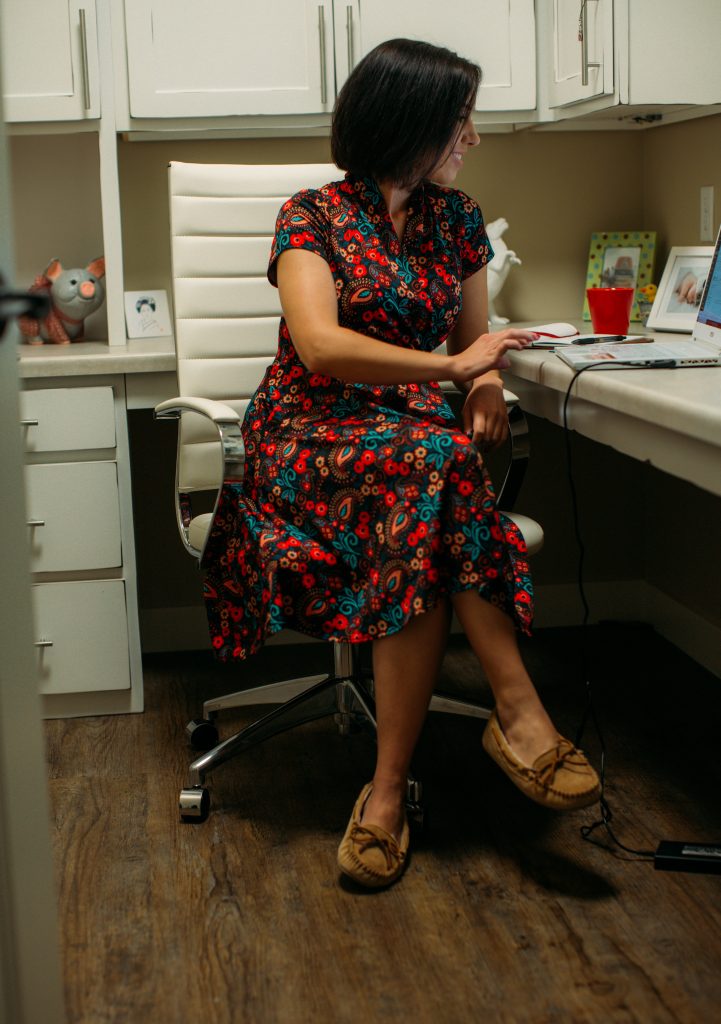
(589, 712)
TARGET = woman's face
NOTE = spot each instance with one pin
(445, 171)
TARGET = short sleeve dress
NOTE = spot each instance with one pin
(362, 505)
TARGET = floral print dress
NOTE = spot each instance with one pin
(362, 505)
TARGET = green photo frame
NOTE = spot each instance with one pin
(621, 259)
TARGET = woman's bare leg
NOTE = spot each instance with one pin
(405, 669)
(492, 635)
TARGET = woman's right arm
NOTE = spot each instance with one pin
(310, 307)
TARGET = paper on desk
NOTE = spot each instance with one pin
(554, 334)
(580, 339)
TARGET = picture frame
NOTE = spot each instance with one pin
(620, 259)
(147, 314)
(679, 293)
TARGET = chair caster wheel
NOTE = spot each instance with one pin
(194, 805)
(202, 733)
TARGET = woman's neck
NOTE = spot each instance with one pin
(397, 201)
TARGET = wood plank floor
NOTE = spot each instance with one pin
(504, 914)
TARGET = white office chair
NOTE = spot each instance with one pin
(222, 220)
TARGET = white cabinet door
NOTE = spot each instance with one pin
(73, 516)
(82, 636)
(68, 419)
(581, 33)
(50, 60)
(230, 57)
(497, 34)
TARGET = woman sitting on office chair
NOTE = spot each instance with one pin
(365, 513)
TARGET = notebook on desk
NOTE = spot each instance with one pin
(703, 348)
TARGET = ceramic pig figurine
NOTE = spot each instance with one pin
(503, 259)
(74, 294)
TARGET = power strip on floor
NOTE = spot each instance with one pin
(699, 858)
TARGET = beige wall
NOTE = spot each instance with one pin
(677, 161)
(143, 168)
(553, 188)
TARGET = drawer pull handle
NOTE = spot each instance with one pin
(29, 423)
(349, 34)
(583, 35)
(84, 59)
(36, 522)
(321, 44)
(43, 643)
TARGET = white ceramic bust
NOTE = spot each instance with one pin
(503, 259)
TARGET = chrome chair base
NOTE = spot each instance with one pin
(345, 695)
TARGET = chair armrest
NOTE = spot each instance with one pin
(218, 412)
(508, 396)
(227, 423)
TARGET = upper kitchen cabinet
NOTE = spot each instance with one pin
(499, 35)
(290, 57)
(581, 33)
(629, 57)
(50, 67)
(231, 57)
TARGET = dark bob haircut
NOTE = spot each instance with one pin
(400, 109)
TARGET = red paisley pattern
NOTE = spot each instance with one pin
(362, 505)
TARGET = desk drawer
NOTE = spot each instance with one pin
(68, 419)
(73, 516)
(82, 636)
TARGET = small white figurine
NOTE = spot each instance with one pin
(503, 259)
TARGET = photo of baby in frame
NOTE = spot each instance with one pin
(620, 259)
(679, 293)
(620, 267)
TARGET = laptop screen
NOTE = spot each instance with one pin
(709, 311)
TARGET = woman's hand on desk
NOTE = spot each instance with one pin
(488, 352)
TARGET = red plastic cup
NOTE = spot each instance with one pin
(610, 309)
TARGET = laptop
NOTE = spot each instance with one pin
(703, 348)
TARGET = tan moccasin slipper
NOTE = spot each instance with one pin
(561, 778)
(368, 854)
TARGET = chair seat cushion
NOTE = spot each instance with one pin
(531, 530)
(198, 530)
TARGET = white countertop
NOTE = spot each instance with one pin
(87, 358)
(670, 418)
(686, 400)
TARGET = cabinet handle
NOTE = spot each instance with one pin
(29, 423)
(36, 522)
(583, 33)
(349, 34)
(84, 56)
(321, 41)
(43, 643)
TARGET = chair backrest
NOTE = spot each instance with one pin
(222, 221)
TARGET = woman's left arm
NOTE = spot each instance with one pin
(485, 416)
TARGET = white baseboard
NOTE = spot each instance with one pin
(185, 629)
